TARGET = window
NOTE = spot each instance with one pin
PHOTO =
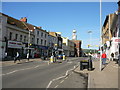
(20, 37)
(37, 33)
(45, 42)
(37, 40)
(42, 34)
(24, 38)
(10, 37)
(0, 19)
(41, 41)
(32, 40)
(45, 35)
(16, 36)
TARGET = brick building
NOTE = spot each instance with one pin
(78, 50)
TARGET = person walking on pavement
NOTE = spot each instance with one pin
(119, 59)
(112, 55)
(17, 57)
(5, 55)
(28, 56)
(104, 56)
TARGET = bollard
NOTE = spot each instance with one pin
(51, 59)
(63, 57)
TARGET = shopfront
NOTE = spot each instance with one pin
(115, 46)
(13, 48)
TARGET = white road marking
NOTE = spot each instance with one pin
(37, 66)
(69, 62)
(62, 81)
(20, 70)
(49, 84)
(61, 76)
(66, 78)
(56, 86)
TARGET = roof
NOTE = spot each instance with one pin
(53, 34)
(21, 24)
(76, 40)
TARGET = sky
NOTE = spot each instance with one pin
(64, 17)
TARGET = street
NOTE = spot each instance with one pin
(38, 74)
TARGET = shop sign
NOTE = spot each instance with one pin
(15, 44)
(116, 40)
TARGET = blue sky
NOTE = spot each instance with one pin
(63, 17)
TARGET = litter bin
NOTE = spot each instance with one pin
(84, 64)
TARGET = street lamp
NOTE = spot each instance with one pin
(55, 52)
(90, 33)
(100, 34)
(29, 43)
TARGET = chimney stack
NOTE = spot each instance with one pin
(24, 19)
(40, 27)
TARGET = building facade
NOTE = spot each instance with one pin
(57, 46)
(68, 47)
(41, 42)
(52, 40)
(78, 50)
(111, 36)
(20, 36)
(14, 37)
(71, 45)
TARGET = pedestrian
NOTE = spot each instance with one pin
(28, 56)
(17, 57)
(104, 56)
(112, 55)
(5, 55)
(119, 59)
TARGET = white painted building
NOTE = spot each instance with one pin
(15, 37)
(41, 41)
(68, 47)
(52, 40)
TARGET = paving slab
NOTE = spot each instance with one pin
(107, 78)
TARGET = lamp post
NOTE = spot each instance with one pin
(55, 47)
(90, 33)
(29, 43)
(100, 34)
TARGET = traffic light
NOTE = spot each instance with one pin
(30, 44)
(88, 46)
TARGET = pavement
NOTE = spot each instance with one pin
(11, 62)
(107, 78)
